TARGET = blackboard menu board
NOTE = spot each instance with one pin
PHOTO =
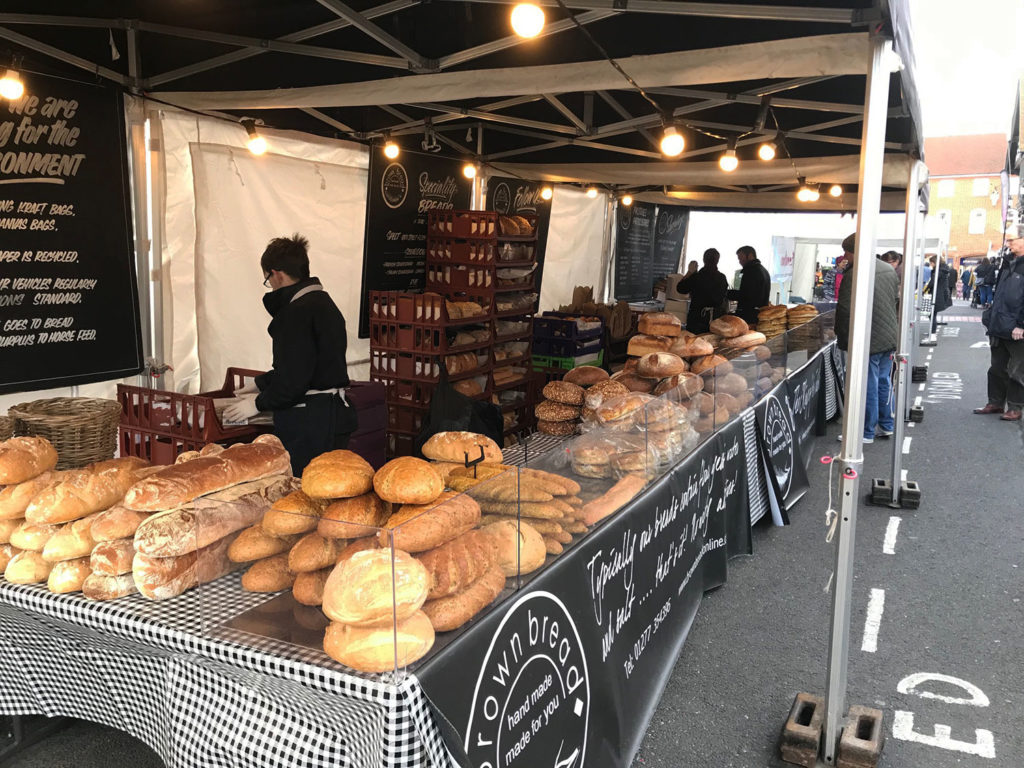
(669, 233)
(401, 194)
(515, 197)
(69, 310)
(648, 244)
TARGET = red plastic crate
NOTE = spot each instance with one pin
(462, 224)
(385, 364)
(449, 278)
(470, 252)
(400, 444)
(531, 235)
(406, 418)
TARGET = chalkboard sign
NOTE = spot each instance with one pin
(515, 197)
(648, 244)
(68, 297)
(669, 233)
(401, 194)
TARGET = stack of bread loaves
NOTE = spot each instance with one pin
(197, 509)
(802, 331)
(448, 450)
(559, 412)
(26, 468)
(657, 330)
(771, 320)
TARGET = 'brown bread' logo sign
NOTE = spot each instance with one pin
(778, 436)
(502, 199)
(394, 185)
(531, 704)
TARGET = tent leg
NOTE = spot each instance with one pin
(852, 457)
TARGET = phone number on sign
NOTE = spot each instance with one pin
(645, 637)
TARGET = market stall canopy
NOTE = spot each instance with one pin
(451, 76)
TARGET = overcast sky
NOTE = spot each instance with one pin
(970, 54)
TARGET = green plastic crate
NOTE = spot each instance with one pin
(541, 362)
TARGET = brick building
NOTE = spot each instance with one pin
(966, 191)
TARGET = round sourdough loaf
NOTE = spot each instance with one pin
(704, 364)
(308, 588)
(586, 375)
(408, 480)
(354, 518)
(520, 547)
(602, 391)
(658, 365)
(693, 346)
(337, 475)
(749, 339)
(456, 446)
(728, 326)
(642, 344)
(634, 382)
(359, 591)
(377, 649)
(684, 385)
(564, 392)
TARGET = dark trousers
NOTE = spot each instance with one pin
(1006, 374)
(323, 423)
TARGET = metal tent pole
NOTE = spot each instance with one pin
(918, 174)
(868, 204)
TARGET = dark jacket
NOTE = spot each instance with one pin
(985, 274)
(754, 291)
(1007, 310)
(944, 296)
(707, 288)
(884, 313)
(309, 342)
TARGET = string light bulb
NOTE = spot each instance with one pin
(11, 87)
(527, 20)
(807, 193)
(728, 162)
(547, 193)
(469, 171)
(391, 150)
(627, 200)
(256, 143)
(767, 151)
(835, 190)
(592, 192)
(672, 142)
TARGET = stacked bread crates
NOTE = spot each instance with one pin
(563, 341)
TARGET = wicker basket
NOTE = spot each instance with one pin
(82, 429)
(6, 427)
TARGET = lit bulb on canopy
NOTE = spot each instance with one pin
(835, 190)
(391, 150)
(766, 151)
(11, 86)
(808, 193)
(547, 193)
(672, 142)
(592, 192)
(627, 200)
(527, 20)
(469, 171)
(728, 162)
(256, 143)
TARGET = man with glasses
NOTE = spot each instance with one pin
(305, 388)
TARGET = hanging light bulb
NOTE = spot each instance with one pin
(806, 194)
(256, 143)
(391, 150)
(728, 162)
(469, 171)
(672, 142)
(11, 86)
(767, 150)
(527, 20)
(627, 200)
(835, 190)
(547, 193)
(591, 192)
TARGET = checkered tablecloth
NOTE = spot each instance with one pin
(200, 694)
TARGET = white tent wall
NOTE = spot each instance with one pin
(183, 209)
(575, 248)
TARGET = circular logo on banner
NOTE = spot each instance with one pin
(778, 434)
(625, 216)
(394, 185)
(502, 199)
(531, 703)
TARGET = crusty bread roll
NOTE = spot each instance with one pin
(586, 375)
(14, 499)
(270, 574)
(68, 576)
(613, 499)
(519, 547)
(308, 588)
(692, 346)
(658, 365)
(294, 513)
(563, 392)
(453, 566)
(744, 340)
(408, 480)
(659, 324)
(118, 522)
(112, 558)
(549, 410)
(728, 326)
(416, 528)
(362, 593)
(32, 537)
(313, 552)
(456, 446)
(377, 649)
(336, 475)
(85, 491)
(181, 483)
(97, 587)
(8, 527)
(160, 578)
(354, 518)
(22, 458)
(762, 353)
(27, 568)
(254, 543)
(7, 552)
(71, 541)
(452, 611)
(641, 344)
(357, 545)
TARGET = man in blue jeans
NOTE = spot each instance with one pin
(878, 418)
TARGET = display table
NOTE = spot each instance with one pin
(573, 662)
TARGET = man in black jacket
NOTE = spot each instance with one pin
(1004, 321)
(305, 388)
(707, 288)
(755, 285)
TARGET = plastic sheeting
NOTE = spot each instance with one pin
(575, 248)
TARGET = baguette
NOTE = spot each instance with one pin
(32, 537)
(8, 527)
(206, 520)
(83, 492)
(27, 568)
(113, 558)
(118, 522)
(453, 566)
(308, 588)
(312, 552)
(613, 499)
(14, 499)
(451, 612)
(97, 587)
(160, 578)
(181, 483)
(22, 458)
(7, 552)
(270, 574)
(71, 541)
(68, 576)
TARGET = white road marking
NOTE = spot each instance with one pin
(922, 386)
(889, 545)
(906, 444)
(873, 622)
(917, 402)
(910, 684)
(912, 424)
(983, 746)
(903, 475)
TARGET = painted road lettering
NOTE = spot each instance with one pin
(984, 744)
(944, 385)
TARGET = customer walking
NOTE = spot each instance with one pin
(942, 299)
(966, 284)
(985, 275)
(1004, 321)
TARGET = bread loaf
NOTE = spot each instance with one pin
(27, 568)
(71, 541)
(519, 547)
(563, 392)
(308, 588)
(210, 518)
(254, 543)
(408, 480)
(557, 428)
(82, 492)
(312, 552)
(603, 390)
(97, 587)
(112, 558)
(14, 499)
(160, 578)
(642, 344)
(337, 475)
(359, 591)
(354, 518)
(32, 537)
(586, 375)
(549, 410)
(22, 458)
(658, 365)
(691, 347)
(8, 527)
(683, 385)
(417, 528)
(181, 483)
(744, 340)
(294, 513)
(659, 324)
(456, 446)
(6, 553)
(728, 326)
(704, 364)
(270, 574)
(378, 649)
(357, 545)
(451, 612)
(453, 566)
(118, 522)
(68, 576)
(635, 383)
(613, 499)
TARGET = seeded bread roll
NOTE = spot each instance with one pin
(658, 365)
(408, 480)
(308, 588)
(354, 518)
(641, 344)
(557, 428)
(563, 392)
(728, 326)
(256, 544)
(313, 552)
(357, 545)
(270, 574)
(375, 587)
(336, 475)
(453, 566)
(375, 649)
(294, 513)
(22, 458)
(549, 410)
(586, 375)
(659, 324)
(455, 446)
